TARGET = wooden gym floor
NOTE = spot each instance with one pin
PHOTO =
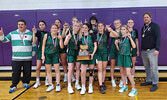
(111, 93)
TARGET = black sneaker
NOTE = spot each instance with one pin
(154, 87)
(146, 83)
(104, 86)
(102, 89)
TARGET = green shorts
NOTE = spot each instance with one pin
(89, 62)
(102, 56)
(39, 55)
(52, 58)
(113, 52)
(72, 59)
(134, 52)
(124, 61)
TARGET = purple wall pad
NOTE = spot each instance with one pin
(8, 21)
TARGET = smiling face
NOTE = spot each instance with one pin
(147, 19)
(54, 29)
(42, 26)
(124, 30)
(76, 27)
(130, 23)
(21, 26)
(57, 22)
(100, 27)
(117, 24)
(85, 29)
(93, 22)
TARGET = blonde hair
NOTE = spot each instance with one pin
(118, 20)
(74, 18)
(79, 31)
(125, 26)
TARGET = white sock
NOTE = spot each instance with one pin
(46, 78)
(37, 79)
(77, 81)
(83, 85)
(90, 84)
(69, 84)
(65, 74)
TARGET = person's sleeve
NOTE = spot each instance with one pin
(157, 36)
(93, 38)
(38, 34)
(33, 49)
(108, 35)
(5, 39)
(136, 34)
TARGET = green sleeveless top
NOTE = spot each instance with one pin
(88, 40)
(102, 42)
(125, 46)
(52, 45)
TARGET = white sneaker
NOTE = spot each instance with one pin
(58, 88)
(73, 78)
(70, 90)
(133, 93)
(50, 88)
(46, 82)
(77, 86)
(113, 83)
(120, 83)
(37, 84)
(83, 90)
(123, 89)
(65, 78)
(90, 89)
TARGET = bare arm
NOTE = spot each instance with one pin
(34, 32)
(131, 41)
(61, 42)
(94, 51)
(43, 47)
(68, 37)
(137, 45)
(116, 44)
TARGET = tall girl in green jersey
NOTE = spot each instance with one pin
(90, 40)
(50, 54)
(63, 56)
(135, 51)
(38, 35)
(73, 40)
(124, 58)
(114, 52)
(101, 54)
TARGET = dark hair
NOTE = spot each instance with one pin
(130, 19)
(21, 20)
(42, 22)
(147, 13)
(92, 18)
(87, 25)
(59, 20)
